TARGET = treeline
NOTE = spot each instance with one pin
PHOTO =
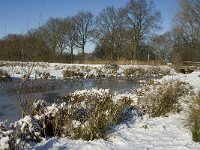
(182, 42)
(118, 33)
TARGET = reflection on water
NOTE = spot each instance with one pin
(52, 90)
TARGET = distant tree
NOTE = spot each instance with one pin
(36, 48)
(102, 51)
(109, 27)
(13, 46)
(142, 19)
(186, 30)
(71, 36)
(162, 46)
(147, 52)
(83, 22)
(53, 33)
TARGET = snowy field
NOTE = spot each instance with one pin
(139, 133)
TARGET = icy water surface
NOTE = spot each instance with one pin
(52, 90)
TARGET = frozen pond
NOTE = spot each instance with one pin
(52, 90)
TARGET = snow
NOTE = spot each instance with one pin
(152, 134)
(4, 142)
(159, 133)
(35, 70)
(193, 79)
(140, 133)
(156, 133)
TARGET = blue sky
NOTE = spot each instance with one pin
(19, 16)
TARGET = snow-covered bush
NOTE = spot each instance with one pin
(158, 70)
(16, 135)
(150, 71)
(112, 67)
(72, 73)
(158, 100)
(3, 75)
(46, 75)
(193, 119)
(83, 72)
(78, 72)
(42, 75)
(86, 114)
(108, 70)
(93, 112)
(134, 72)
(2, 63)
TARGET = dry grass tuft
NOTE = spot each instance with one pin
(150, 71)
(163, 98)
(193, 119)
(125, 62)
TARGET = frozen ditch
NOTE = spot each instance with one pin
(52, 90)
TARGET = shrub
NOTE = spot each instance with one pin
(46, 75)
(93, 113)
(112, 66)
(193, 119)
(72, 73)
(150, 71)
(134, 72)
(42, 75)
(83, 72)
(4, 76)
(111, 69)
(77, 72)
(16, 135)
(156, 70)
(161, 99)
(87, 115)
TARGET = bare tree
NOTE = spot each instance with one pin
(36, 48)
(71, 36)
(83, 23)
(54, 32)
(142, 19)
(186, 29)
(162, 46)
(13, 46)
(109, 24)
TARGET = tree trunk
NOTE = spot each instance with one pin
(111, 54)
(111, 51)
(83, 53)
(134, 53)
(72, 55)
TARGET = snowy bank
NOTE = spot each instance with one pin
(68, 71)
(138, 133)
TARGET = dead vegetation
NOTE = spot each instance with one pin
(159, 100)
(150, 71)
(85, 115)
(193, 118)
(4, 76)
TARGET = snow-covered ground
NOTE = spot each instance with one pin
(140, 133)
(161, 133)
(35, 70)
(193, 79)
